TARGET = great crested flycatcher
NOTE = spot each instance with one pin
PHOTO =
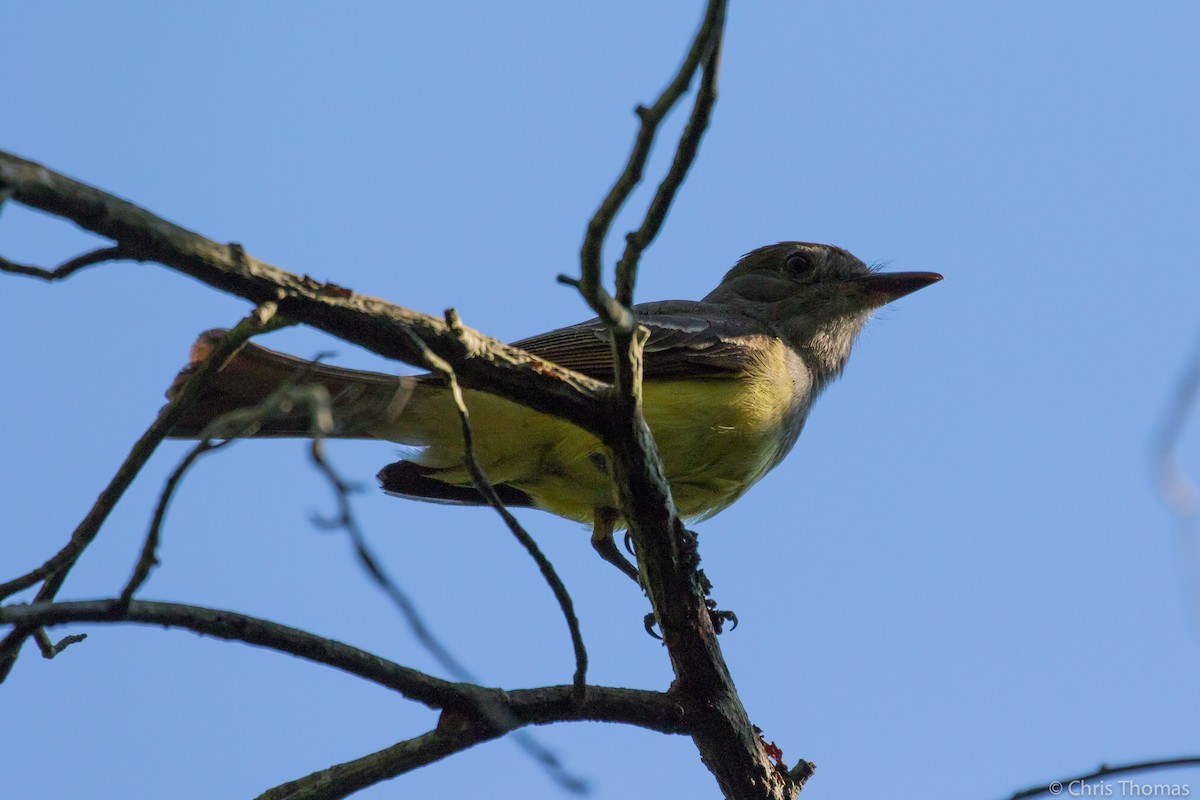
(728, 383)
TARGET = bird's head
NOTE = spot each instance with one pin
(816, 297)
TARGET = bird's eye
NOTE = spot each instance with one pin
(798, 263)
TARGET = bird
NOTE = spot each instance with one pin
(728, 383)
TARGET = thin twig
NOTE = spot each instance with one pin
(685, 155)
(1057, 787)
(495, 715)
(257, 322)
(69, 267)
(656, 711)
(481, 363)
(342, 780)
(453, 734)
(614, 313)
(318, 407)
(225, 430)
(346, 520)
(484, 487)
(55, 570)
(456, 732)
(51, 649)
(149, 557)
(430, 691)
(425, 689)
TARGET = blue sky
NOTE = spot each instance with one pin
(960, 583)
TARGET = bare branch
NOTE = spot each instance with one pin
(485, 488)
(414, 685)
(257, 322)
(343, 780)
(318, 408)
(1104, 771)
(494, 713)
(685, 154)
(54, 571)
(656, 711)
(50, 649)
(456, 732)
(67, 268)
(229, 428)
(346, 520)
(148, 558)
(480, 362)
(609, 309)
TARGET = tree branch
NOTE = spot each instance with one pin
(432, 692)
(469, 711)
(315, 401)
(485, 488)
(456, 732)
(494, 715)
(614, 312)
(55, 570)
(149, 556)
(656, 711)
(67, 268)
(480, 362)
(343, 780)
(685, 154)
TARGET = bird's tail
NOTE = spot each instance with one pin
(361, 401)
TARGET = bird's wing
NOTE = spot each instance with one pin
(687, 340)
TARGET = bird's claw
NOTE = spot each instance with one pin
(718, 618)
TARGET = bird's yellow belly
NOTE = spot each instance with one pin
(716, 439)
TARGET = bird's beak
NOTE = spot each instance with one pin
(880, 288)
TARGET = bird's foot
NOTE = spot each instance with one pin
(718, 617)
(602, 541)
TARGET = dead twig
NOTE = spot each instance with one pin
(612, 310)
(496, 716)
(149, 555)
(54, 571)
(69, 267)
(657, 711)
(485, 488)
